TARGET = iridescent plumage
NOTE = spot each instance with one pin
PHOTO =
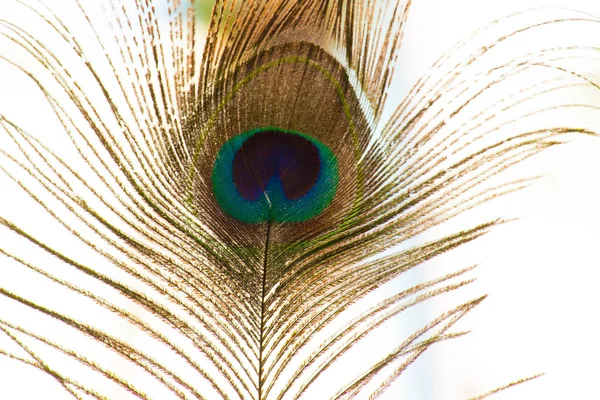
(237, 200)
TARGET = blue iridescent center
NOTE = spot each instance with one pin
(274, 174)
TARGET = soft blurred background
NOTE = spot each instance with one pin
(541, 271)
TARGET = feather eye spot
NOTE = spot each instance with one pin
(290, 159)
(275, 174)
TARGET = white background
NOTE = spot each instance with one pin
(541, 272)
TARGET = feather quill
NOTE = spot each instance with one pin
(163, 140)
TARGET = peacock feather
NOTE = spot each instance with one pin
(225, 218)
